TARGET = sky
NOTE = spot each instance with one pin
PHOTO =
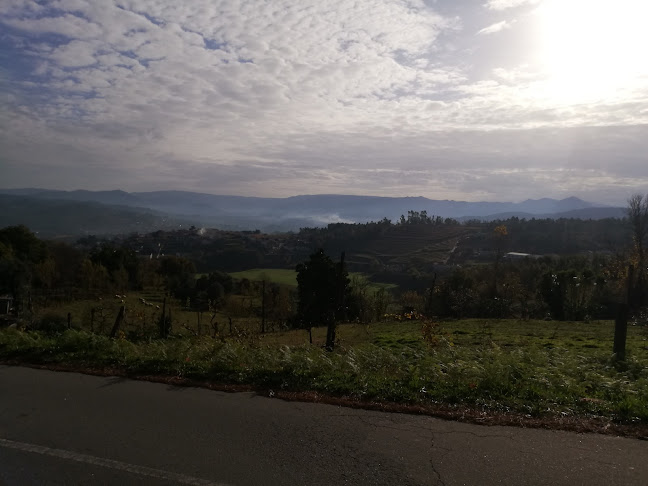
(475, 100)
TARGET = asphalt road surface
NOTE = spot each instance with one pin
(69, 428)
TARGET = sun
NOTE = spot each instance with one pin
(593, 50)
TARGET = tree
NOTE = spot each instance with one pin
(122, 265)
(44, 273)
(215, 285)
(568, 293)
(68, 261)
(92, 276)
(458, 294)
(322, 287)
(178, 276)
(358, 304)
(279, 303)
(20, 252)
(379, 303)
(23, 243)
(638, 216)
(411, 301)
(636, 293)
(120, 279)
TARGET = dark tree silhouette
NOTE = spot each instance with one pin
(20, 251)
(178, 276)
(638, 216)
(322, 287)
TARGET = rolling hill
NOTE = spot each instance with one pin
(56, 218)
(292, 213)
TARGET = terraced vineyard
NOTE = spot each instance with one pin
(411, 245)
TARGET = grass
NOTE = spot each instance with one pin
(289, 277)
(141, 319)
(535, 368)
(276, 275)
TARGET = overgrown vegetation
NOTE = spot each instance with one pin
(534, 367)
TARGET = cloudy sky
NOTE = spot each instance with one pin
(448, 99)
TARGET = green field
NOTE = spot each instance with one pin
(289, 277)
(282, 276)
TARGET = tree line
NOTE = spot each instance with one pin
(569, 287)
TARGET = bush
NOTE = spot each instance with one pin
(51, 323)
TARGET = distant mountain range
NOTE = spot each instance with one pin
(60, 218)
(100, 212)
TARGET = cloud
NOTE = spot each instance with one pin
(496, 27)
(66, 25)
(601, 164)
(280, 98)
(507, 4)
(205, 64)
(74, 54)
(516, 75)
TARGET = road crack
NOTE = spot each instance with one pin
(434, 469)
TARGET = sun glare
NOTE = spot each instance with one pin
(593, 50)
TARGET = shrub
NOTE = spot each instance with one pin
(51, 324)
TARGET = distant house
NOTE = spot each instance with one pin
(6, 302)
(513, 255)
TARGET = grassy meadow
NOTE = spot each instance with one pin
(537, 368)
(283, 276)
(289, 277)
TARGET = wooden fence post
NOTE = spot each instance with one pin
(263, 297)
(118, 321)
(621, 321)
(162, 323)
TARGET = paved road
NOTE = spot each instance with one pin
(68, 428)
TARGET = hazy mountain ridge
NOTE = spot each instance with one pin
(60, 217)
(291, 213)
